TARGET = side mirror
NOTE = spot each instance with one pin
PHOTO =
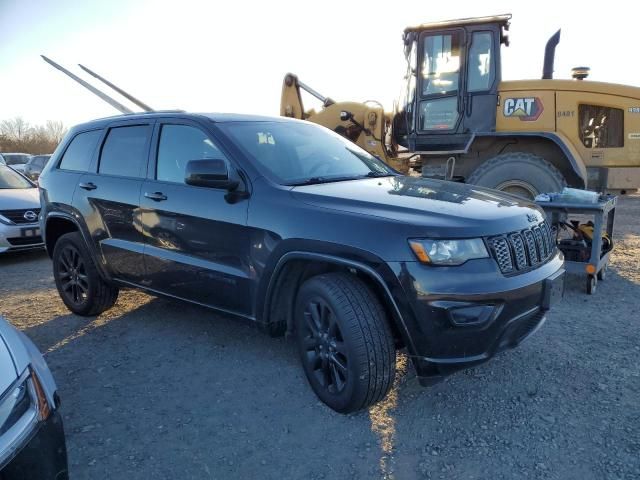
(209, 173)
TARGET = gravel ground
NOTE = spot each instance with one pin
(161, 389)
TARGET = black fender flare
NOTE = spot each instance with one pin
(85, 237)
(344, 262)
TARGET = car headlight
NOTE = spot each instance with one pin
(14, 405)
(448, 252)
(22, 407)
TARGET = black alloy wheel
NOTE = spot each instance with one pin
(74, 281)
(324, 348)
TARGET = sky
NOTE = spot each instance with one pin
(231, 56)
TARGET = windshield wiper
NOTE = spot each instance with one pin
(317, 180)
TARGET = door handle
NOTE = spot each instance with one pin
(156, 196)
(88, 185)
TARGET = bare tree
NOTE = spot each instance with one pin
(56, 130)
(17, 135)
(16, 129)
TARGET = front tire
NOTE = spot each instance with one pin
(79, 284)
(522, 174)
(345, 342)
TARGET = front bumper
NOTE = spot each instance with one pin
(458, 317)
(43, 456)
(20, 237)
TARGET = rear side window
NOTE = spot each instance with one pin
(124, 152)
(78, 155)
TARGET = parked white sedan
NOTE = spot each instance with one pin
(19, 210)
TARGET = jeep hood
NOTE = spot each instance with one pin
(439, 208)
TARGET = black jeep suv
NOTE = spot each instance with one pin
(291, 226)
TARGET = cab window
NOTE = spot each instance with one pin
(480, 65)
(180, 144)
(441, 64)
(440, 80)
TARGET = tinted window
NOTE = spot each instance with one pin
(601, 127)
(78, 154)
(180, 144)
(124, 152)
(480, 74)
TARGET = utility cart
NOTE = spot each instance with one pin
(584, 255)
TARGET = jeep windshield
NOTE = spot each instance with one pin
(303, 154)
(9, 179)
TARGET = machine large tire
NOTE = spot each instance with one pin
(345, 342)
(521, 174)
(79, 284)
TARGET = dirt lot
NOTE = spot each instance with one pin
(160, 389)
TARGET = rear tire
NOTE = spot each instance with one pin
(345, 342)
(521, 174)
(79, 284)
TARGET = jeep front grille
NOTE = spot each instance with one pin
(520, 251)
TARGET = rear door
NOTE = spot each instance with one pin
(109, 198)
(197, 239)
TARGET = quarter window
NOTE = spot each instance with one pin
(124, 152)
(180, 144)
(601, 127)
(78, 155)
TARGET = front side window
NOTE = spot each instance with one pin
(180, 144)
(298, 153)
(480, 65)
(124, 152)
(78, 155)
(441, 64)
(601, 127)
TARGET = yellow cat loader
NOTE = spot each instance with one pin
(457, 119)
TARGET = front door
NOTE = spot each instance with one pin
(197, 242)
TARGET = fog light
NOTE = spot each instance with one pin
(470, 316)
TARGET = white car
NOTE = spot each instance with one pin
(19, 210)
(32, 443)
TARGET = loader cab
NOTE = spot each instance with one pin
(451, 90)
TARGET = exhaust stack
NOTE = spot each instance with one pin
(550, 56)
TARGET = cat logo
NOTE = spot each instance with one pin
(526, 109)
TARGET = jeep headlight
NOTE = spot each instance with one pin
(448, 252)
